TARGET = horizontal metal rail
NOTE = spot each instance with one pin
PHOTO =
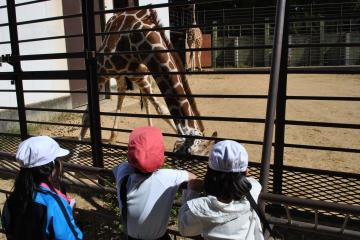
(312, 147)
(30, 2)
(7, 90)
(202, 26)
(46, 75)
(49, 56)
(322, 124)
(309, 203)
(208, 118)
(25, 3)
(55, 110)
(319, 229)
(8, 108)
(76, 74)
(83, 54)
(323, 98)
(232, 96)
(50, 38)
(55, 91)
(189, 136)
(321, 172)
(8, 120)
(49, 19)
(221, 24)
(55, 124)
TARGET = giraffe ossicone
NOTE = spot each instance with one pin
(161, 65)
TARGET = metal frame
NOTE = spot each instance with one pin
(276, 103)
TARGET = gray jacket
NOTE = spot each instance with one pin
(216, 220)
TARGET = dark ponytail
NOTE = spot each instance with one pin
(25, 186)
(226, 186)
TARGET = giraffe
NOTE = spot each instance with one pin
(194, 40)
(160, 64)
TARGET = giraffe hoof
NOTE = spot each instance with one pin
(112, 141)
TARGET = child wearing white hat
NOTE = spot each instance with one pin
(224, 213)
(36, 209)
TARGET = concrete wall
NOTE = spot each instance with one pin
(37, 30)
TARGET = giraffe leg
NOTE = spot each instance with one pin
(121, 88)
(147, 108)
(199, 58)
(192, 61)
(86, 118)
(145, 87)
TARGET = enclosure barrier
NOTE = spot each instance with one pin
(290, 185)
(80, 178)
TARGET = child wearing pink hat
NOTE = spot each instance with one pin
(225, 212)
(145, 192)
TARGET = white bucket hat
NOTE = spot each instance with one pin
(38, 151)
(228, 156)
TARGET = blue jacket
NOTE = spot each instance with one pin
(52, 219)
(56, 223)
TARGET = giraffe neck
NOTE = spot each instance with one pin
(193, 15)
(161, 63)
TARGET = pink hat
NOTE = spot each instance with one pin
(146, 149)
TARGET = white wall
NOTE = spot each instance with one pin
(37, 30)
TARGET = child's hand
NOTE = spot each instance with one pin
(72, 203)
(196, 185)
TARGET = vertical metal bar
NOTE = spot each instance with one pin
(273, 91)
(281, 110)
(17, 67)
(288, 215)
(223, 35)
(102, 27)
(92, 83)
(253, 37)
(316, 219)
(346, 219)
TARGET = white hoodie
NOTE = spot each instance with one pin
(216, 220)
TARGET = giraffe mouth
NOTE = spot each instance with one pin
(194, 146)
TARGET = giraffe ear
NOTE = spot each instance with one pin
(214, 134)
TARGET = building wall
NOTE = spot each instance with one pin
(37, 30)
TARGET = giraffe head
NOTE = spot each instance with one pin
(194, 146)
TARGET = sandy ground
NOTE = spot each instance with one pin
(298, 85)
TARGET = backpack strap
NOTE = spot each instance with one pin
(63, 210)
(123, 198)
(262, 217)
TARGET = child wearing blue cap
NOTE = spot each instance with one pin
(36, 209)
(224, 213)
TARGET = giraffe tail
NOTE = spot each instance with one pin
(141, 101)
(129, 84)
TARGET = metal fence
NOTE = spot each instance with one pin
(292, 201)
(330, 29)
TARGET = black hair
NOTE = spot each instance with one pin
(26, 184)
(226, 186)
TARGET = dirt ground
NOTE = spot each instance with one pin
(298, 85)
